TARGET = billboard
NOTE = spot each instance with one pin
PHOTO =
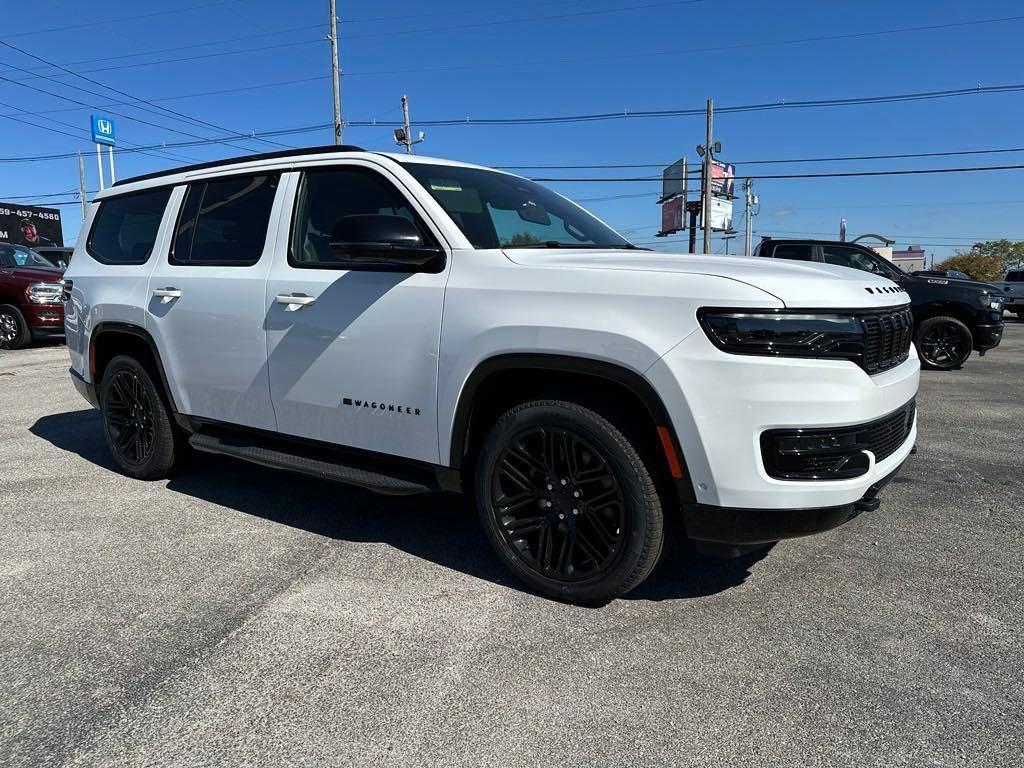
(721, 214)
(673, 216)
(673, 180)
(723, 178)
(30, 225)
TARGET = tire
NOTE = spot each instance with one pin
(14, 331)
(567, 503)
(136, 421)
(943, 343)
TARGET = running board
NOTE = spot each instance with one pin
(281, 454)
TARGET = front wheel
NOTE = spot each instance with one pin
(567, 502)
(14, 333)
(943, 343)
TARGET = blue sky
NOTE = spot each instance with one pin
(487, 58)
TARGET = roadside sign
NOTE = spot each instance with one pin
(673, 180)
(721, 214)
(103, 130)
(673, 218)
(30, 225)
(723, 178)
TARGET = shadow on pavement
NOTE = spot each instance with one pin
(440, 528)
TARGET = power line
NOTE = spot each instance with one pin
(786, 161)
(118, 19)
(173, 112)
(547, 61)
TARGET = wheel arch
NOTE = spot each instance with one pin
(111, 338)
(516, 378)
(954, 309)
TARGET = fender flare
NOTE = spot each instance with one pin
(107, 327)
(613, 372)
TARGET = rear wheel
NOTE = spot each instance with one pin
(943, 343)
(136, 421)
(567, 502)
(14, 332)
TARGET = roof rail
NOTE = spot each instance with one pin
(243, 159)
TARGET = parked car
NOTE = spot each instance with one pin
(1013, 288)
(956, 274)
(409, 324)
(951, 317)
(30, 297)
(58, 256)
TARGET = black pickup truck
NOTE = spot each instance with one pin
(951, 317)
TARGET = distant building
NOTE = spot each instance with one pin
(909, 260)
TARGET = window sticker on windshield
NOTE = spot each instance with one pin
(445, 185)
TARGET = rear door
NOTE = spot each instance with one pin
(353, 352)
(206, 305)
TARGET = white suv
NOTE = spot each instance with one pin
(409, 324)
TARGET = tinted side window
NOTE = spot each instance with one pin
(794, 252)
(1015, 277)
(848, 257)
(224, 222)
(327, 196)
(125, 227)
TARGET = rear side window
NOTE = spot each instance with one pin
(125, 227)
(1015, 277)
(794, 252)
(224, 222)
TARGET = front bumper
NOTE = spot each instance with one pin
(43, 318)
(720, 405)
(739, 528)
(987, 337)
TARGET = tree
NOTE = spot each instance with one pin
(979, 265)
(1009, 254)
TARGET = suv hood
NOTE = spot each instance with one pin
(802, 285)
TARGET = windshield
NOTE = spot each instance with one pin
(498, 210)
(19, 256)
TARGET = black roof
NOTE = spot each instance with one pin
(244, 159)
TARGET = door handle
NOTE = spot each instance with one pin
(167, 294)
(294, 301)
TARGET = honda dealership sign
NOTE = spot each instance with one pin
(30, 225)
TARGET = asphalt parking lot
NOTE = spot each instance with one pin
(237, 615)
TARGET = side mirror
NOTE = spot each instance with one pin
(383, 243)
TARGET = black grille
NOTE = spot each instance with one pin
(834, 453)
(887, 338)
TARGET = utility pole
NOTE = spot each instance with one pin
(748, 212)
(403, 135)
(335, 73)
(706, 215)
(405, 124)
(81, 187)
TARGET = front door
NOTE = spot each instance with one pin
(353, 352)
(207, 298)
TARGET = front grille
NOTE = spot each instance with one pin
(887, 338)
(834, 453)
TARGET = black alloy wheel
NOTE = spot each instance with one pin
(567, 502)
(559, 504)
(137, 422)
(944, 343)
(130, 418)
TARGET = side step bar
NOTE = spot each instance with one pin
(280, 454)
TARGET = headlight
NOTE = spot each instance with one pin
(992, 301)
(784, 333)
(45, 293)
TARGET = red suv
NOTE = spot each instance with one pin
(30, 297)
